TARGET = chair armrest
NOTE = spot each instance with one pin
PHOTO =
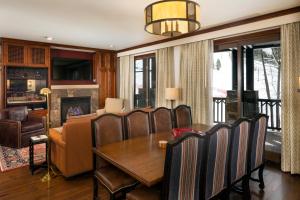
(100, 112)
(56, 138)
(10, 130)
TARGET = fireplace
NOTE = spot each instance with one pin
(74, 106)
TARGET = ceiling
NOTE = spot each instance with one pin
(111, 24)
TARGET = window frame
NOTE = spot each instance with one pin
(146, 76)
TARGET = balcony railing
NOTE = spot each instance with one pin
(270, 107)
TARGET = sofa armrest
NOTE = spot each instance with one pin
(10, 133)
(100, 112)
(41, 119)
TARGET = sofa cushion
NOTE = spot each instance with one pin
(28, 126)
(113, 105)
(18, 113)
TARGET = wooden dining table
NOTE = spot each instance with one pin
(141, 157)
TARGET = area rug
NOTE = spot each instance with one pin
(16, 158)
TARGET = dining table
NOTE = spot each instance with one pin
(141, 157)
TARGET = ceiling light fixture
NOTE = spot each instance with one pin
(172, 17)
(48, 38)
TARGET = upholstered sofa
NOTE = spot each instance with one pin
(71, 146)
(17, 126)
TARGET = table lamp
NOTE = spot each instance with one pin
(172, 94)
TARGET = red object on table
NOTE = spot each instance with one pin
(177, 132)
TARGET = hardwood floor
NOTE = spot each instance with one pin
(20, 185)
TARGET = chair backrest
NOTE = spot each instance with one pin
(137, 124)
(18, 113)
(218, 160)
(106, 129)
(114, 105)
(240, 137)
(183, 116)
(161, 120)
(257, 144)
(184, 167)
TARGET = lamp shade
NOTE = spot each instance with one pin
(172, 94)
(172, 17)
(45, 91)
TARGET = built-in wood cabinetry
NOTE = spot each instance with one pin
(1, 79)
(20, 53)
(105, 75)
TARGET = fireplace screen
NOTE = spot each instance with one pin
(74, 106)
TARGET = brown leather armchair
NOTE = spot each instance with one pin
(16, 127)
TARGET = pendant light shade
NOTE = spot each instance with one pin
(172, 17)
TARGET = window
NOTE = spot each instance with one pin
(267, 71)
(222, 73)
(144, 81)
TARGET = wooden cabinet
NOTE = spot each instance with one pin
(14, 54)
(105, 75)
(38, 56)
(24, 54)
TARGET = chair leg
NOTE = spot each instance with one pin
(112, 197)
(95, 190)
(261, 177)
(246, 188)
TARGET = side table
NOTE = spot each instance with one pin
(40, 139)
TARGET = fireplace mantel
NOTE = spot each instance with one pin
(65, 87)
(62, 91)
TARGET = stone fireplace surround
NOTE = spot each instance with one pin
(59, 91)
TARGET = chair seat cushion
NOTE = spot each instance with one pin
(114, 179)
(28, 126)
(143, 193)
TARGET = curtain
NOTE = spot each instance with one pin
(164, 75)
(290, 54)
(196, 63)
(126, 81)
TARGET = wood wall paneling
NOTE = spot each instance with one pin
(105, 75)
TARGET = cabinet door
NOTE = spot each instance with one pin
(38, 56)
(15, 54)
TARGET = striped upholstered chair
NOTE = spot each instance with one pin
(183, 173)
(240, 137)
(216, 176)
(256, 160)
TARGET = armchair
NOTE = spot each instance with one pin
(16, 127)
(112, 105)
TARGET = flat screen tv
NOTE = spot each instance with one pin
(71, 69)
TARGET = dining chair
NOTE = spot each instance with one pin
(183, 172)
(256, 159)
(137, 124)
(216, 174)
(182, 116)
(239, 152)
(106, 129)
(161, 120)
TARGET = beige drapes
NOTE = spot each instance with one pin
(126, 68)
(290, 53)
(164, 74)
(196, 64)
